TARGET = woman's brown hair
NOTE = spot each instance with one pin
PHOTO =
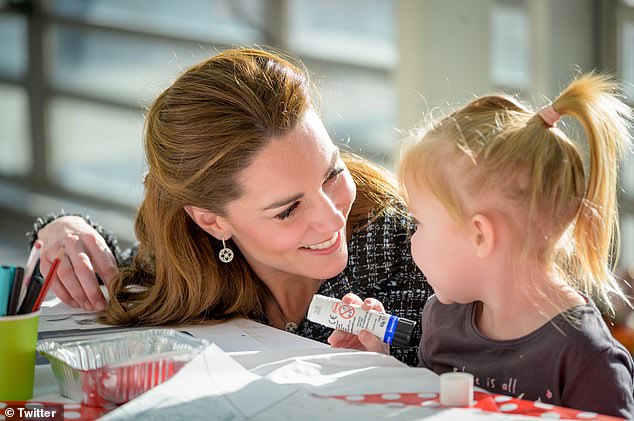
(199, 134)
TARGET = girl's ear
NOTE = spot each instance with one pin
(209, 222)
(482, 235)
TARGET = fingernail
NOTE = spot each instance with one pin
(100, 305)
(88, 306)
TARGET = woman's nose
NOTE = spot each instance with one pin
(328, 217)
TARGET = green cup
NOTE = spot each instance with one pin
(18, 339)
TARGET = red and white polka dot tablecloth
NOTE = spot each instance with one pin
(482, 401)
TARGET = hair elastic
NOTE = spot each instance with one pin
(549, 115)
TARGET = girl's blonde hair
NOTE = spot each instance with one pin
(569, 211)
(199, 134)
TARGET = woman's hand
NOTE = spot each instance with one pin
(364, 341)
(85, 255)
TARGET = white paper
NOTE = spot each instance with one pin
(215, 386)
(237, 335)
(53, 306)
(212, 383)
(59, 320)
(229, 336)
(276, 339)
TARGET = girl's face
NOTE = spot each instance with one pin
(440, 246)
(292, 216)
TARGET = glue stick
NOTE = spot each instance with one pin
(350, 318)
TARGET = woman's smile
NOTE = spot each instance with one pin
(328, 246)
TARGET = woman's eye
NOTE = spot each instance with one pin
(334, 173)
(287, 212)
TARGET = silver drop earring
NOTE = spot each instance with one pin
(226, 254)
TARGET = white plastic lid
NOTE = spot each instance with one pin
(456, 389)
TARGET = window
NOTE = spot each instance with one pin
(114, 66)
(510, 45)
(625, 55)
(15, 158)
(360, 31)
(359, 110)
(13, 46)
(350, 47)
(15, 153)
(71, 121)
(226, 21)
(627, 58)
(96, 149)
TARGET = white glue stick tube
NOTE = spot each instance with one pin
(350, 318)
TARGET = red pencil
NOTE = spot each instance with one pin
(47, 281)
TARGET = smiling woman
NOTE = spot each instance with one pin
(239, 158)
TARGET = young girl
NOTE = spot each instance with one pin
(516, 235)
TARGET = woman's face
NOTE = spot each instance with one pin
(292, 216)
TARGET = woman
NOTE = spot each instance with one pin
(249, 210)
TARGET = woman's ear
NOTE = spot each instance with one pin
(209, 222)
(482, 235)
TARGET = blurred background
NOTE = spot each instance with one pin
(76, 75)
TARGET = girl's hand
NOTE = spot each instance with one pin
(85, 254)
(364, 341)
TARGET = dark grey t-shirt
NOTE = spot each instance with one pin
(582, 368)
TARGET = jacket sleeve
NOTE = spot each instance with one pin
(123, 257)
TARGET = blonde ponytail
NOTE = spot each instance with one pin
(593, 101)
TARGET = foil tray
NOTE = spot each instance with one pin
(113, 369)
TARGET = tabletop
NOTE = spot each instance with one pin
(254, 371)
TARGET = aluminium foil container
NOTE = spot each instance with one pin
(113, 369)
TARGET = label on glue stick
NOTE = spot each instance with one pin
(350, 318)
